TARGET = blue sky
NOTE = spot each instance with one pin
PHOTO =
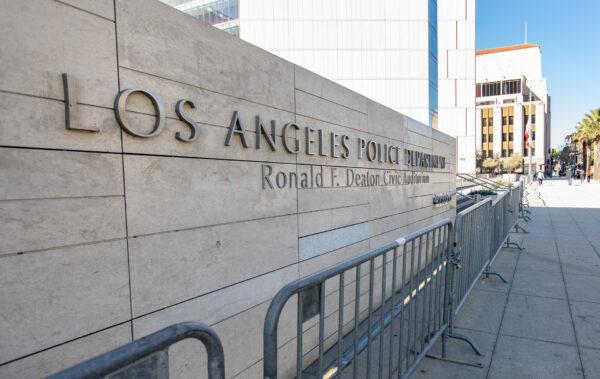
(568, 32)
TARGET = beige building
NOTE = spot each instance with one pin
(512, 99)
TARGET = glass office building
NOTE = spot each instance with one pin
(433, 63)
(414, 56)
(223, 14)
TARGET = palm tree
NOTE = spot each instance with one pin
(588, 134)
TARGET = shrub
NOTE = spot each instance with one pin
(513, 163)
(491, 164)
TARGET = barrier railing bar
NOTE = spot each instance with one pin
(402, 307)
(299, 333)
(322, 325)
(349, 354)
(340, 318)
(383, 288)
(371, 278)
(274, 311)
(126, 355)
(394, 275)
(356, 316)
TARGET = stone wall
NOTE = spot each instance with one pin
(107, 237)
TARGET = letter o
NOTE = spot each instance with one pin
(120, 103)
(374, 151)
(280, 183)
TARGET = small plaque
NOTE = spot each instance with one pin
(311, 300)
(155, 366)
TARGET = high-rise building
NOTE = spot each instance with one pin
(386, 50)
(456, 56)
(223, 14)
(513, 105)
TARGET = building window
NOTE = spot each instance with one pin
(507, 130)
(487, 132)
(510, 87)
(223, 14)
(490, 89)
(506, 87)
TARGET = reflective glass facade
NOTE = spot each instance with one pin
(505, 87)
(433, 63)
(387, 53)
(223, 14)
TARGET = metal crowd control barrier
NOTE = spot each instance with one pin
(412, 305)
(514, 201)
(400, 325)
(148, 357)
(481, 232)
(473, 231)
(524, 214)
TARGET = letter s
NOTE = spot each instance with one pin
(186, 119)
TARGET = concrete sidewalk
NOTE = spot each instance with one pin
(545, 322)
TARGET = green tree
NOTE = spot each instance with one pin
(588, 134)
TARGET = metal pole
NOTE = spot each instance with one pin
(529, 174)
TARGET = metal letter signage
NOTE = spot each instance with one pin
(71, 121)
(307, 140)
(235, 126)
(187, 119)
(121, 102)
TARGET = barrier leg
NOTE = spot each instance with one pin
(499, 275)
(468, 340)
(518, 228)
(510, 244)
(524, 213)
(523, 216)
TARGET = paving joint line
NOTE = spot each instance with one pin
(503, 314)
(562, 273)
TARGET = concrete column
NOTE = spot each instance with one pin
(478, 129)
(540, 131)
(497, 130)
(519, 130)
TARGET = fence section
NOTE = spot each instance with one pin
(392, 326)
(377, 314)
(474, 230)
(148, 356)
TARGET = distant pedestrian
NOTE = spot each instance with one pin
(540, 177)
(569, 175)
(589, 174)
(582, 175)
